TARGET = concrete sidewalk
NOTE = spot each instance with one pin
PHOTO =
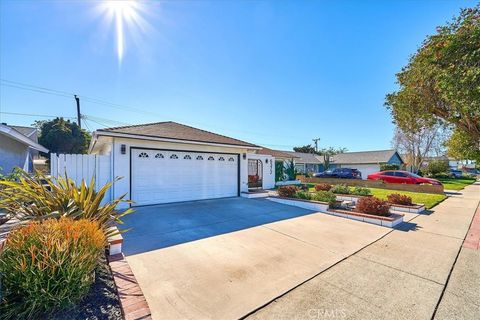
(403, 275)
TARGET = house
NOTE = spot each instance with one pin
(170, 162)
(18, 146)
(366, 162)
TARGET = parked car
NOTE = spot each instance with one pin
(342, 173)
(398, 176)
(456, 173)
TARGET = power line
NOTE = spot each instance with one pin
(25, 86)
(35, 115)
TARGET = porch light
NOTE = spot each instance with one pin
(123, 149)
(244, 156)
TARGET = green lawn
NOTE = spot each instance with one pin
(428, 199)
(455, 184)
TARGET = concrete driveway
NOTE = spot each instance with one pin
(221, 259)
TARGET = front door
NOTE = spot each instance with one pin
(255, 173)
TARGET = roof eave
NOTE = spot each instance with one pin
(99, 133)
(15, 135)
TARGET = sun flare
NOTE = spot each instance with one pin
(124, 14)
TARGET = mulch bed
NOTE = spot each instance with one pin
(101, 302)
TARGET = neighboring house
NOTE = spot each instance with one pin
(171, 162)
(452, 163)
(366, 162)
(18, 146)
(306, 162)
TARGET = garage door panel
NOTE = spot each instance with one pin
(161, 176)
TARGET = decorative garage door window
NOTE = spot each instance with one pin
(187, 157)
(231, 159)
(143, 155)
(211, 158)
(159, 156)
(173, 156)
(199, 158)
(221, 159)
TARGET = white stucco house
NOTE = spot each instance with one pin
(168, 162)
(18, 145)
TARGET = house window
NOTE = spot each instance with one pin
(159, 156)
(221, 159)
(199, 158)
(231, 159)
(173, 156)
(143, 155)
(211, 158)
(187, 157)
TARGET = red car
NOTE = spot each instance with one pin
(397, 176)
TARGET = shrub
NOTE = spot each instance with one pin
(287, 191)
(325, 196)
(373, 205)
(435, 167)
(323, 187)
(402, 199)
(48, 265)
(40, 198)
(340, 188)
(361, 191)
(389, 166)
(305, 195)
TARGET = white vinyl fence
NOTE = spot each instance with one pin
(82, 166)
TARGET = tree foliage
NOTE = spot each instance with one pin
(305, 149)
(442, 79)
(462, 146)
(62, 136)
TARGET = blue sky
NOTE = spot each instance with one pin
(276, 73)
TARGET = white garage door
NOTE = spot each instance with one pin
(162, 176)
(365, 169)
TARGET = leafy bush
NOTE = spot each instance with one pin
(323, 187)
(48, 265)
(305, 195)
(341, 189)
(435, 167)
(389, 166)
(287, 191)
(40, 198)
(361, 191)
(396, 198)
(373, 205)
(325, 196)
(443, 175)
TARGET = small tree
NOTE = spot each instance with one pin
(290, 171)
(279, 171)
(328, 153)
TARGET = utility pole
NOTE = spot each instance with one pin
(316, 143)
(79, 121)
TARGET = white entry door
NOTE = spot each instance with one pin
(163, 176)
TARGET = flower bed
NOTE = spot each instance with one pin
(389, 221)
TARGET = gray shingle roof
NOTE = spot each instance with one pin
(176, 131)
(379, 156)
(305, 157)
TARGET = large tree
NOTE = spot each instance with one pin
(442, 79)
(62, 136)
(462, 146)
(419, 141)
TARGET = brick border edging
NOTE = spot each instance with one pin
(472, 239)
(133, 302)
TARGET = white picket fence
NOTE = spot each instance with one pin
(82, 166)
